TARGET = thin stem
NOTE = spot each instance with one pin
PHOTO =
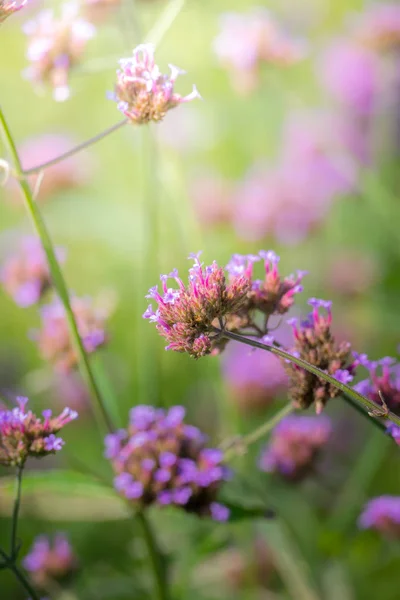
(345, 389)
(23, 581)
(57, 277)
(155, 558)
(261, 431)
(163, 24)
(73, 150)
(15, 515)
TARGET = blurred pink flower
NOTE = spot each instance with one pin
(246, 40)
(50, 560)
(350, 273)
(56, 45)
(254, 378)
(212, 198)
(351, 73)
(68, 173)
(8, 7)
(69, 389)
(54, 340)
(379, 26)
(98, 11)
(25, 275)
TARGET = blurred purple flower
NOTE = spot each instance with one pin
(383, 514)
(25, 275)
(351, 73)
(49, 561)
(211, 195)
(247, 40)
(294, 446)
(161, 460)
(254, 378)
(351, 273)
(23, 434)
(379, 26)
(143, 93)
(55, 46)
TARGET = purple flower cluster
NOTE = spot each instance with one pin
(54, 339)
(55, 46)
(272, 295)
(161, 460)
(383, 514)
(50, 560)
(314, 342)
(143, 93)
(246, 41)
(8, 7)
(185, 316)
(23, 434)
(294, 446)
(25, 276)
(384, 378)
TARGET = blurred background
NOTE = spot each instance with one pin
(293, 148)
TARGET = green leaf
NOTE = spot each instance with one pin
(61, 495)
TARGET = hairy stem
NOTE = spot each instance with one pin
(347, 391)
(15, 515)
(260, 432)
(73, 150)
(155, 558)
(57, 277)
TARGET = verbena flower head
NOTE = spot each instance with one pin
(160, 460)
(384, 377)
(254, 377)
(55, 46)
(54, 339)
(25, 276)
(8, 7)
(50, 560)
(383, 514)
(185, 315)
(379, 26)
(272, 295)
(64, 175)
(23, 434)
(294, 446)
(315, 343)
(143, 93)
(246, 41)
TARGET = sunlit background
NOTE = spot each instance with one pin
(300, 157)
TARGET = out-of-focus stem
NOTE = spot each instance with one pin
(161, 583)
(17, 503)
(260, 432)
(9, 563)
(57, 277)
(345, 389)
(73, 150)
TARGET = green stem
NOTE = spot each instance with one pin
(155, 558)
(165, 21)
(57, 277)
(17, 503)
(10, 564)
(73, 150)
(260, 432)
(347, 391)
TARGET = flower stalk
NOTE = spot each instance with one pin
(57, 276)
(347, 391)
(155, 557)
(14, 525)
